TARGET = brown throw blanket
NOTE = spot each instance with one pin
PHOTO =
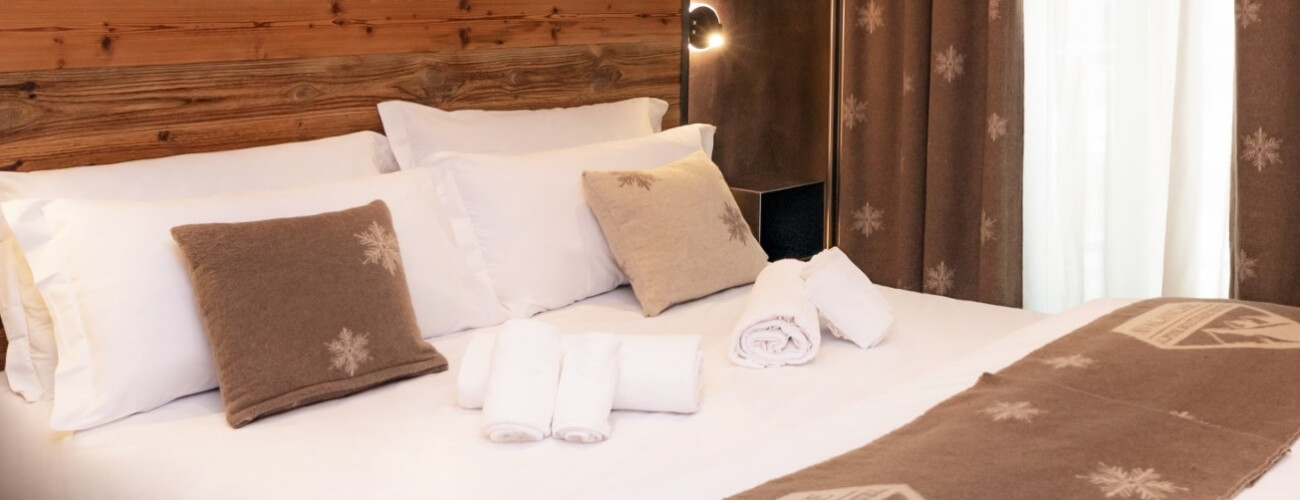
(1166, 399)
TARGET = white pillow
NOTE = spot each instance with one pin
(417, 132)
(523, 218)
(129, 334)
(31, 353)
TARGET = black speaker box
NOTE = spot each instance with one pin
(788, 218)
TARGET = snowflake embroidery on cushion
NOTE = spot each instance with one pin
(871, 17)
(1071, 361)
(868, 219)
(1261, 150)
(939, 279)
(637, 179)
(349, 351)
(950, 64)
(381, 247)
(853, 111)
(994, 7)
(1144, 484)
(1248, 12)
(997, 127)
(736, 227)
(907, 83)
(1245, 266)
(987, 227)
(1021, 411)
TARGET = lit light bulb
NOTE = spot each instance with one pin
(716, 40)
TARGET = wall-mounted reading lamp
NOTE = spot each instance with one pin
(705, 27)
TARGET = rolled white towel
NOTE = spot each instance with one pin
(853, 307)
(657, 373)
(525, 373)
(586, 394)
(779, 326)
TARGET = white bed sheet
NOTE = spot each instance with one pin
(409, 440)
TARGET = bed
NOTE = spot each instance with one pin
(153, 79)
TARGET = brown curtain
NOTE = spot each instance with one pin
(931, 147)
(1267, 198)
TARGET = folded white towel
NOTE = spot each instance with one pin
(522, 382)
(853, 307)
(657, 373)
(586, 393)
(779, 326)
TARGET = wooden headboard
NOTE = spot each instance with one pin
(88, 82)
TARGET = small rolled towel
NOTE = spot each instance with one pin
(778, 326)
(656, 373)
(586, 394)
(853, 307)
(521, 386)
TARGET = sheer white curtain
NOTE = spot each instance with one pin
(1128, 149)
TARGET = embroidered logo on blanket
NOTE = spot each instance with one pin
(1212, 325)
(873, 492)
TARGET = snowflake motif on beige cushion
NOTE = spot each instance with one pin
(1248, 12)
(636, 179)
(1260, 150)
(1071, 361)
(871, 17)
(1020, 411)
(997, 127)
(1144, 484)
(348, 351)
(853, 112)
(939, 279)
(950, 64)
(868, 219)
(737, 230)
(381, 248)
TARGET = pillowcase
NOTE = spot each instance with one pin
(305, 309)
(417, 132)
(675, 230)
(128, 332)
(31, 353)
(522, 218)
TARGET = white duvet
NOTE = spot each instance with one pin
(410, 440)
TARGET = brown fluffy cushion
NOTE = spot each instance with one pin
(304, 309)
(675, 231)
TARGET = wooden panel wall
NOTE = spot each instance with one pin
(90, 82)
(86, 82)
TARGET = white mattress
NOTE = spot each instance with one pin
(409, 440)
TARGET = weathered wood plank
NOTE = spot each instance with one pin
(55, 119)
(54, 34)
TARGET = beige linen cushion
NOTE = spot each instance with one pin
(675, 231)
(304, 309)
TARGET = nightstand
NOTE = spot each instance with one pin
(787, 217)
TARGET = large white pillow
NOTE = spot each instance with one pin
(31, 354)
(130, 337)
(417, 132)
(523, 219)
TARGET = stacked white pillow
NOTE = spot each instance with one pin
(130, 337)
(524, 220)
(32, 355)
(417, 132)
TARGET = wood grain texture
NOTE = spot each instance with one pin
(57, 34)
(55, 119)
